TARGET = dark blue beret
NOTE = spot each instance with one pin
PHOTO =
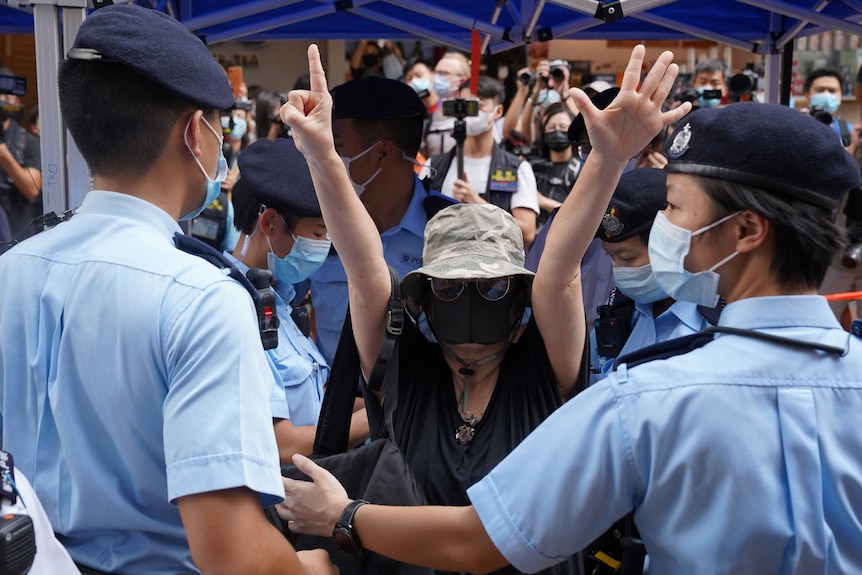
(276, 172)
(601, 101)
(639, 195)
(375, 98)
(157, 47)
(768, 146)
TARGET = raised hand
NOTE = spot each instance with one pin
(635, 116)
(309, 112)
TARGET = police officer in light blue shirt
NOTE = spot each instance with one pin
(639, 312)
(734, 448)
(282, 231)
(377, 125)
(133, 385)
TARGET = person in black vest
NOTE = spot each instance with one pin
(491, 175)
(559, 166)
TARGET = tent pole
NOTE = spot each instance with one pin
(64, 179)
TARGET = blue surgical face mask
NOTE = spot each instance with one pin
(548, 97)
(420, 84)
(827, 101)
(442, 86)
(239, 128)
(304, 258)
(707, 102)
(359, 188)
(668, 246)
(639, 284)
(213, 185)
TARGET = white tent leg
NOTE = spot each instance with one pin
(64, 175)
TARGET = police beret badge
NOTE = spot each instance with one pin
(680, 143)
(612, 224)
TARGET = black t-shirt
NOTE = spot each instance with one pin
(427, 417)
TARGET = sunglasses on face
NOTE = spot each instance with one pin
(492, 289)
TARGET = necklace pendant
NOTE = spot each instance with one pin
(464, 434)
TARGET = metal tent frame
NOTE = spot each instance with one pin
(765, 27)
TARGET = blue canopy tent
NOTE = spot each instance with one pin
(762, 26)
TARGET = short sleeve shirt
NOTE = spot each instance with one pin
(736, 457)
(132, 375)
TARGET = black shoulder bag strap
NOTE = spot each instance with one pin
(333, 426)
(256, 282)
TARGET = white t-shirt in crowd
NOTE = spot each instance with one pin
(476, 170)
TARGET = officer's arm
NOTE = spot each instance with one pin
(452, 538)
(228, 533)
(28, 181)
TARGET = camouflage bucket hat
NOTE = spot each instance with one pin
(467, 241)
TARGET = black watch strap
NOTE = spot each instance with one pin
(343, 534)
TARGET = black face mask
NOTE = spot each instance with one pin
(370, 60)
(471, 318)
(557, 140)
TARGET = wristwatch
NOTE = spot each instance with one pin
(343, 534)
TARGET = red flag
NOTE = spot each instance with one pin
(476, 60)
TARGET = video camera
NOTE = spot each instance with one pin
(821, 114)
(528, 78)
(460, 108)
(744, 84)
(558, 69)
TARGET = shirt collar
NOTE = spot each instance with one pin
(685, 311)
(779, 311)
(285, 291)
(118, 205)
(414, 219)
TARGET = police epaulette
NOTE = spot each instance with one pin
(665, 349)
(257, 285)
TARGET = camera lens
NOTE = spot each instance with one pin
(558, 74)
(819, 113)
(527, 78)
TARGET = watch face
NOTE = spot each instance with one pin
(344, 539)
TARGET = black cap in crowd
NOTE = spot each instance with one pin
(375, 98)
(601, 101)
(767, 146)
(157, 47)
(640, 194)
(276, 172)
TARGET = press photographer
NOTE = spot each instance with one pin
(710, 81)
(20, 160)
(536, 90)
(487, 173)
(822, 90)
